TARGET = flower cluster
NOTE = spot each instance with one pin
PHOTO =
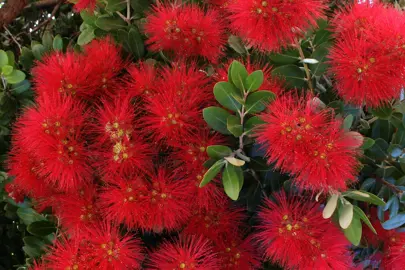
(292, 226)
(102, 150)
(305, 140)
(368, 57)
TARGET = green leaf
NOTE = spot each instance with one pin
(136, 44)
(139, 6)
(216, 118)
(15, 77)
(225, 94)
(252, 123)
(116, 5)
(346, 215)
(41, 228)
(218, 151)
(234, 126)
(236, 43)
(330, 206)
(38, 51)
(26, 58)
(353, 232)
(47, 40)
(6, 70)
(367, 143)
(320, 54)
(379, 149)
(232, 179)
(86, 36)
(3, 58)
(286, 57)
(88, 18)
(347, 123)
(254, 80)
(212, 172)
(34, 242)
(322, 36)
(364, 124)
(294, 76)
(11, 58)
(107, 23)
(21, 87)
(31, 252)
(359, 213)
(29, 215)
(394, 222)
(258, 101)
(238, 74)
(383, 112)
(57, 43)
(364, 196)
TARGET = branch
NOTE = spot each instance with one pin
(44, 23)
(10, 11)
(43, 4)
(307, 71)
(394, 188)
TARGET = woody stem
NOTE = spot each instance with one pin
(306, 68)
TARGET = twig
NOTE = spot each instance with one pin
(128, 12)
(45, 23)
(42, 4)
(394, 188)
(372, 120)
(306, 68)
(13, 38)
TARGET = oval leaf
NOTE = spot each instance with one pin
(41, 228)
(362, 196)
(225, 93)
(236, 162)
(212, 172)
(232, 179)
(294, 76)
(346, 216)
(330, 206)
(3, 58)
(15, 77)
(394, 222)
(216, 118)
(353, 232)
(238, 74)
(218, 151)
(57, 43)
(234, 126)
(258, 101)
(254, 80)
(359, 213)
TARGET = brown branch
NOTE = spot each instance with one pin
(45, 23)
(43, 4)
(394, 188)
(10, 11)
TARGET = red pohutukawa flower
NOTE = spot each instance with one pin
(296, 227)
(394, 253)
(236, 253)
(110, 250)
(55, 127)
(105, 62)
(15, 192)
(186, 30)
(143, 79)
(271, 24)
(367, 59)
(274, 85)
(175, 113)
(381, 236)
(79, 210)
(305, 140)
(167, 204)
(191, 252)
(122, 201)
(218, 220)
(119, 148)
(65, 254)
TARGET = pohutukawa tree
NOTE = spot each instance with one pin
(212, 135)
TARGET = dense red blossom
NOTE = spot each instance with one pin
(65, 254)
(305, 140)
(274, 85)
(66, 74)
(192, 151)
(366, 73)
(143, 79)
(79, 210)
(186, 31)
(235, 253)
(85, 4)
(272, 24)
(167, 204)
(191, 252)
(394, 253)
(175, 113)
(15, 192)
(109, 250)
(294, 234)
(104, 59)
(214, 222)
(121, 201)
(55, 128)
